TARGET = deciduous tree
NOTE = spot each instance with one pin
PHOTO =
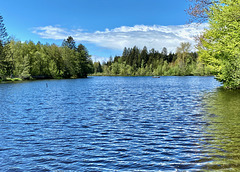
(219, 46)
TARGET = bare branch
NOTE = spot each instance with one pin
(198, 10)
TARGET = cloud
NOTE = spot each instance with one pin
(99, 58)
(51, 32)
(125, 36)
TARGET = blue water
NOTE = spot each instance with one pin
(105, 124)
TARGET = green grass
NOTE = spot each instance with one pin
(12, 79)
(16, 79)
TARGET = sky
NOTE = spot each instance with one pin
(105, 27)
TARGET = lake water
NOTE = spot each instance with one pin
(119, 124)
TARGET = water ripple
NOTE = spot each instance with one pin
(106, 124)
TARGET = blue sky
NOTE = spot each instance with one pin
(105, 27)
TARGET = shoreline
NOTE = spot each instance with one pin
(18, 80)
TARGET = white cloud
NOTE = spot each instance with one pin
(99, 59)
(51, 32)
(125, 36)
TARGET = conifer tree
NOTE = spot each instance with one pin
(4, 65)
(3, 32)
(70, 43)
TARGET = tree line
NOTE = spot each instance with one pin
(29, 60)
(141, 62)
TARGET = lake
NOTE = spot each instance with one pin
(119, 124)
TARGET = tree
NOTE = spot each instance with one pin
(183, 51)
(56, 61)
(125, 53)
(97, 67)
(219, 45)
(164, 51)
(26, 70)
(144, 57)
(183, 57)
(84, 61)
(77, 60)
(5, 65)
(199, 10)
(70, 43)
(3, 32)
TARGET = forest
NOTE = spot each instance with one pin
(37, 61)
(141, 62)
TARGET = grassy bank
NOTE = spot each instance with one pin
(10, 79)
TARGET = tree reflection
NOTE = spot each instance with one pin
(222, 130)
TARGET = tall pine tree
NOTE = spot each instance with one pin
(4, 65)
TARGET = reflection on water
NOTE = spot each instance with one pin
(222, 137)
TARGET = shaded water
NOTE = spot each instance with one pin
(119, 124)
(222, 135)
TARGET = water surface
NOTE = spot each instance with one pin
(119, 124)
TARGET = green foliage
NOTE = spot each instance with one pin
(137, 62)
(5, 64)
(26, 68)
(16, 79)
(70, 43)
(97, 67)
(3, 32)
(29, 60)
(12, 79)
(220, 46)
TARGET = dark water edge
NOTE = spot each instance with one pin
(223, 131)
(119, 124)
